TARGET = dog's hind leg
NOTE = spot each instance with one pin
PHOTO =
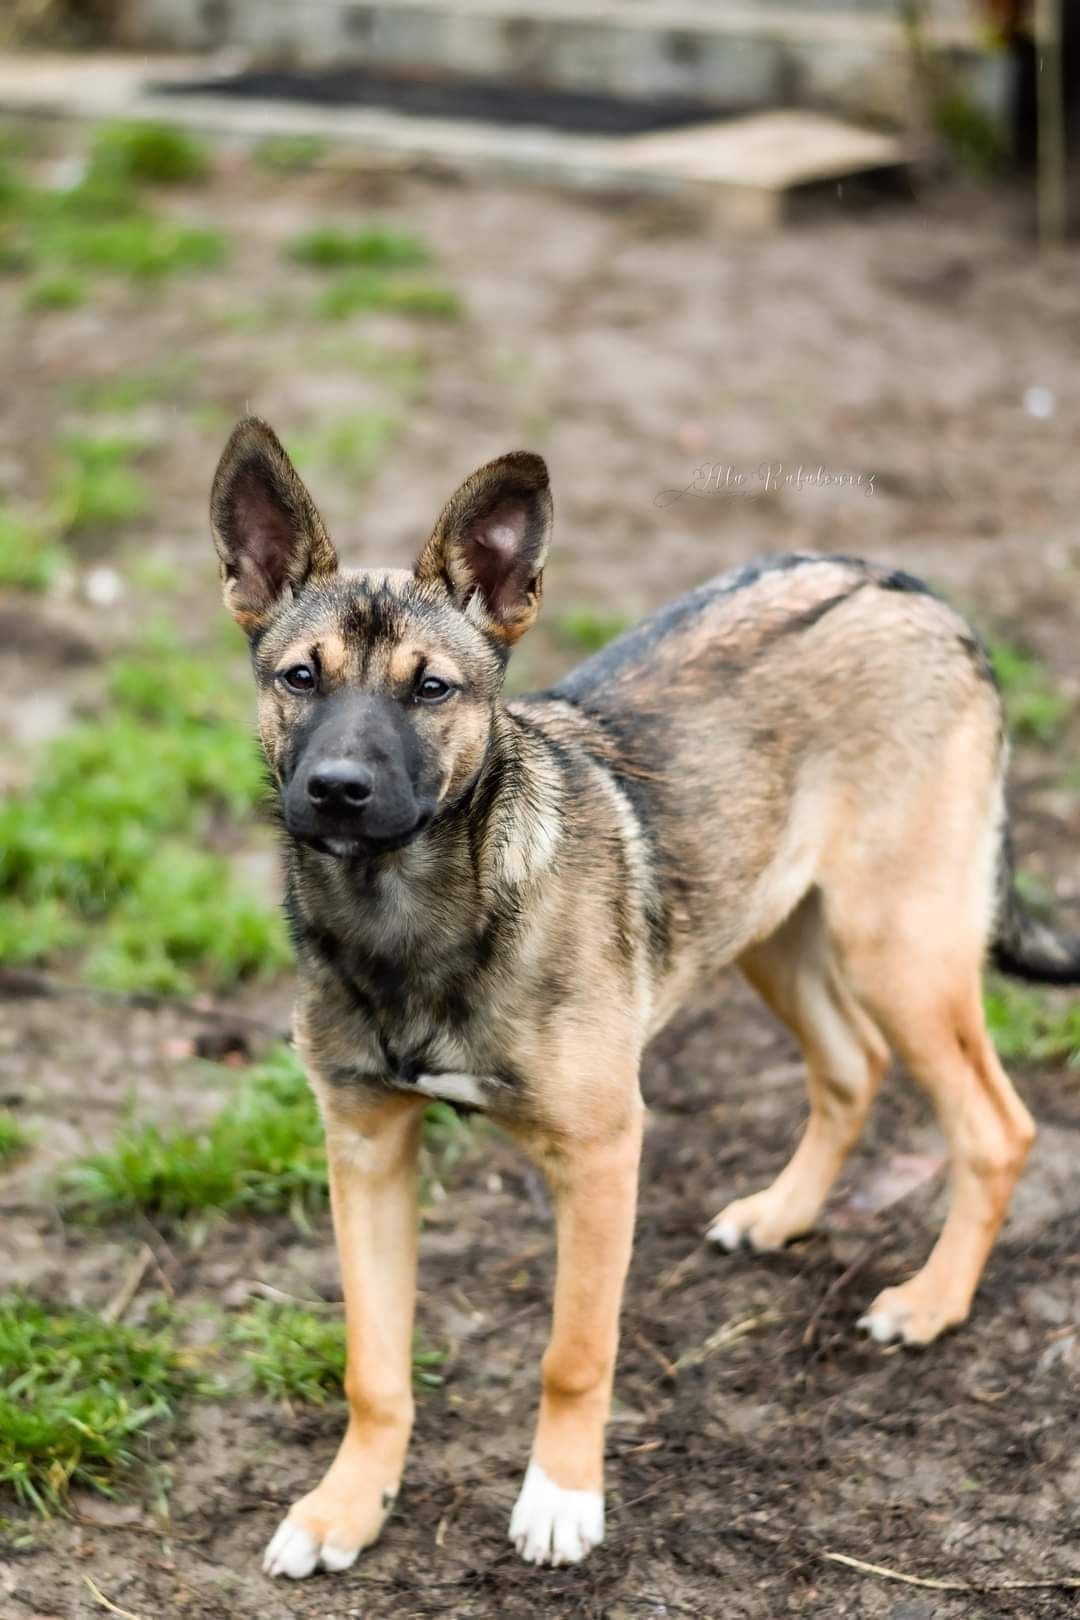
(798, 975)
(372, 1156)
(913, 953)
(930, 1004)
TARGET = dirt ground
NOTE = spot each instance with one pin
(631, 343)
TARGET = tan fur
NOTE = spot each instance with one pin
(372, 1157)
(796, 770)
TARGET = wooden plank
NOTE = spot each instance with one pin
(765, 151)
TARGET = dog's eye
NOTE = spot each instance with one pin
(301, 678)
(433, 690)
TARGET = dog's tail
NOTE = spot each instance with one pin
(1022, 945)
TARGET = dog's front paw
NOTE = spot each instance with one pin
(550, 1525)
(324, 1531)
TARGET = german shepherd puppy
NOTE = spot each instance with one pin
(796, 768)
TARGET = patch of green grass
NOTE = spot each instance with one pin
(1035, 706)
(97, 485)
(971, 134)
(12, 187)
(184, 918)
(586, 630)
(132, 389)
(1027, 1025)
(271, 314)
(95, 195)
(290, 154)
(149, 154)
(351, 446)
(106, 850)
(15, 1139)
(447, 1135)
(157, 576)
(364, 292)
(34, 930)
(299, 1355)
(403, 370)
(1034, 892)
(291, 1353)
(76, 1394)
(376, 247)
(64, 290)
(102, 224)
(264, 1151)
(142, 246)
(30, 556)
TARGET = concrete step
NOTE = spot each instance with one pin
(850, 55)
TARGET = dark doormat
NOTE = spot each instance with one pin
(575, 112)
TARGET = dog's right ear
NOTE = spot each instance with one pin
(269, 538)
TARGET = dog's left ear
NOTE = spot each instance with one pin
(491, 541)
(268, 535)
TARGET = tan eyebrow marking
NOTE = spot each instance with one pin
(404, 664)
(332, 653)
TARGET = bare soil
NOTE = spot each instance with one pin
(753, 1433)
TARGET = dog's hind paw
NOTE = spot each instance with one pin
(912, 1314)
(725, 1234)
(763, 1221)
(295, 1552)
(553, 1526)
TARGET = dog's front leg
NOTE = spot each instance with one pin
(372, 1157)
(559, 1515)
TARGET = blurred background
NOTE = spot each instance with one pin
(754, 278)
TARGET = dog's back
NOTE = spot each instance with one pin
(781, 724)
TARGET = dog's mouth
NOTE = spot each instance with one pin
(364, 847)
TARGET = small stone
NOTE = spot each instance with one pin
(103, 587)
(1040, 402)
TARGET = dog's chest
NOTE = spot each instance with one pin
(410, 1011)
(409, 1054)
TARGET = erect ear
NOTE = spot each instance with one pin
(269, 538)
(491, 541)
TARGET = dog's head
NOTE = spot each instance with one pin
(376, 688)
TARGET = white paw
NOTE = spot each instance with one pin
(726, 1234)
(553, 1526)
(880, 1326)
(293, 1551)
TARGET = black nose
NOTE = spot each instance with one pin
(340, 787)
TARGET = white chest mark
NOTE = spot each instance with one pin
(456, 1088)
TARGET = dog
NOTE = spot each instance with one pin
(796, 769)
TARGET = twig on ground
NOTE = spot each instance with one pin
(278, 1296)
(666, 1365)
(727, 1335)
(106, 1603)
(935, 1583)
(154, 1243)
(117, 1308)
(672, 1278)
(834, 1288)
(501, 1322)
